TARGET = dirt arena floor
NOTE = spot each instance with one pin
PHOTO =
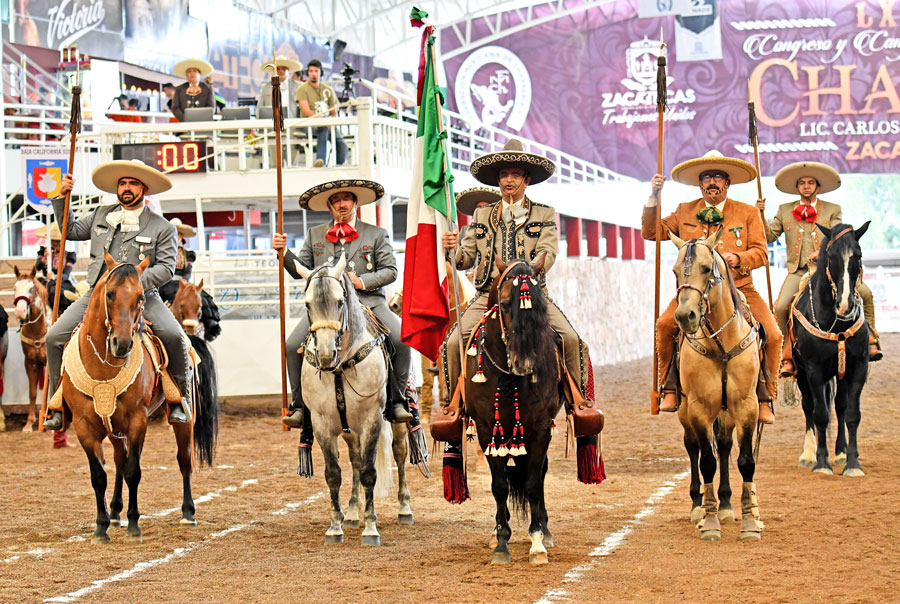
(261, 527)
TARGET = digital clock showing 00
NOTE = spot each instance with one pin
(184, 157)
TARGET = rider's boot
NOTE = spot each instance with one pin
(766, 413)
(294, 419)
(668, 403)
(54, 420)
(875, 353)
(177, 411)
(787, 360)
(399, 404)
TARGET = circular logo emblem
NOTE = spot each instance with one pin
(493, 87)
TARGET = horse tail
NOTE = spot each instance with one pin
(515, 478)
(206, 421)
(384, 460)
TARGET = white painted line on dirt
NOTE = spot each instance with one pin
(178, 552)
(613, 541)
(39, 553)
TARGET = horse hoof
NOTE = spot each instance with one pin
(697, 514)
(853, 472)
(115, 522)
(405, 519)
(805, 463)
(350, 523)
(726, 514)
(133, 539)
(100, 540)
(329, 539)
(538, 558)
(827, 471)
(840, 459)
(751, 535)
(187, 522)
(547, 541)
(371, 539)
(711, 535)
(27, 427)
(501, 558)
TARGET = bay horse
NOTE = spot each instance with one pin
(513, 395)
(831, 343)
(208, 318)
(344, 381)
(187, 307)
(33, 313)
(719, 367)
(114, 322)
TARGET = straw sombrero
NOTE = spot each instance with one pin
(106, 176)
(316, 198)
(467, 201)
(786, 178)
(738, 171)
(283, 61)
(185, 230)
(55, 235)
(81, 289)
(181, 67)
(486, 169)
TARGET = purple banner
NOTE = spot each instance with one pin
(823, 74)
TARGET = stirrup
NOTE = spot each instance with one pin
(54, 420)
(400, 414)
(875, 353)
(176, 413)
(666, 395)
(294, 420)
(786, 372)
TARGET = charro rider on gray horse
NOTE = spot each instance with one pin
(370, 265)
(515, 227)
(130, 232)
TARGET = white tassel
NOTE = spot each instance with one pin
(479, 378)
(472, 351)
(502, 451)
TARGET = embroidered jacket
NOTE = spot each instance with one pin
(801, 238)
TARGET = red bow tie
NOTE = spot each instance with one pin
(340, 231)
(805, 212)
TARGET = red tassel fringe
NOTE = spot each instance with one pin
(591, 469)
(456, 489)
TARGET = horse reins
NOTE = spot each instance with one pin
(106, 322)
(851, 316)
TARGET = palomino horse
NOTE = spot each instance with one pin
(33, 313)
(839, 351)
(344, 380)
(719, 368)
(111, 328)
(518, 359)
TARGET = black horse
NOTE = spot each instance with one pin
(831, 342)
(512, 395)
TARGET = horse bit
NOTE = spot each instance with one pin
(713, 281)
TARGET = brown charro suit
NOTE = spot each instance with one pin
(742, 224)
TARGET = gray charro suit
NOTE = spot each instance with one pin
(371, 257)
(289, 101)
(157, 238)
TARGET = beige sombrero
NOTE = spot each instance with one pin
(316, 198)
(283, 61)
(786, 178)
(467, 201)
(688, 172)
(181, 67)
(106, 176)
(185, 230)
(55, 235)
(486, 169)
(81, 289)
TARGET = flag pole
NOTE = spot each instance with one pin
(661, 107)
(74, 129)
(278, 119)
(754, 140)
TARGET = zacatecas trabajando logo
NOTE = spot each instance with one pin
(637, 102)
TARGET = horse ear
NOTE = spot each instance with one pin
(145, 263)
(16, 271)
(538, 265)
(110, 261)
(33, 270)
(339, 267)
(825, 230)
(199, 286)
(501, 266)
(713, 240)
(304, 272)
(862, 230)
(678, 241)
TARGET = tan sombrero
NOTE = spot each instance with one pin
(81, 289)
(55, 235)
(786, 178)
(106, 176)
(467, 201)
(486, 169)
(181, 67)
(185, 230)
(283, 61)
(316, 198)
(738, 171)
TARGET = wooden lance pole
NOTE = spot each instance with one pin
(661, 106)
(754, 140)
(74, 129)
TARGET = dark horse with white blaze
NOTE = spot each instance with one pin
(831, 342)
(513, 394)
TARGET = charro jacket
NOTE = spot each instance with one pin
(801, 238)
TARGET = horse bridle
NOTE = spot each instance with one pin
(854, 296)
(107, 324)
(503, 336)
(27, 300)
(338, 326)
(687, 268)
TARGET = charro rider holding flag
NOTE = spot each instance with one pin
(743, 247)
(130, 232)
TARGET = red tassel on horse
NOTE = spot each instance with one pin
(591, 469)
(456, 488)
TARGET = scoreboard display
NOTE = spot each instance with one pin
(183, 157)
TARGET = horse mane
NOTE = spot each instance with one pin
(121, 272)
(526, 331)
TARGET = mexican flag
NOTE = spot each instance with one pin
(425, 304)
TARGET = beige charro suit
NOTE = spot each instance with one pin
(490, 237)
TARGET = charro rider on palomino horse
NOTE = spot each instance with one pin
(130, 232)
(797, 220)
(743, 247)
(516, 227)
(370, 265)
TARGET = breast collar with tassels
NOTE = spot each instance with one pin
(311, 357)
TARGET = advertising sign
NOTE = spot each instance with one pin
(94, 26)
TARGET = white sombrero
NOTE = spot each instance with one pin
(181, 67)
(786, 178)
(185, 230)
(106, 176)
(316, 198)
(55, 235)
(467, 201)
(738, 171)
(283, 61)
(486, 169)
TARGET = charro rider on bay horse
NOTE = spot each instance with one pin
(370, 265)
(797, 220)
(515, 227)
(743, 247)
(130, 232)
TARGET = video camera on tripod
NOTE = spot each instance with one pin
(347, 73)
